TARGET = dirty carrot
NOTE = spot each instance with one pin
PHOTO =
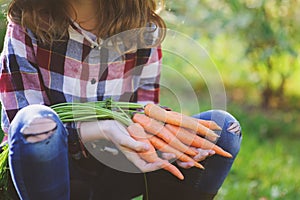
(137, 132)
(194, 140)
(164, 147)
(157, 128)
(158, 113)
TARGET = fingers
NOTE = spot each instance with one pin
(168, 156)
(149, 167)
(137, 146)
(140, 163)
(203, 154)
(185, 165)
(120, 136)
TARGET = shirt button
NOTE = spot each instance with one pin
(93, 81)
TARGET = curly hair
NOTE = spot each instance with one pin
(49, 19)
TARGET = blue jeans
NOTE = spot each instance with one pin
(39, 170)
(44, 170)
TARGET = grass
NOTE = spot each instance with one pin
(263, 170)
(267, 164)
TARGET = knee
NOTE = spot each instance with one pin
(231, 133)
(227, 121)
(39, 129)
(36, 134)
(223, 119)
(34, 123)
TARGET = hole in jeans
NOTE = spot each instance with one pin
(39, 129)
(234, 128)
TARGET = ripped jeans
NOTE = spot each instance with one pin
(42, 169)
(39, 169)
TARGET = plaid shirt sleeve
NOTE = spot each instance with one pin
(20, 83)
(148, 90)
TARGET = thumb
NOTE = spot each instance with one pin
(135, 145)
(141, 146)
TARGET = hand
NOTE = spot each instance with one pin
(202, 155)
(116, 133)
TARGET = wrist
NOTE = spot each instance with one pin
(89, 131)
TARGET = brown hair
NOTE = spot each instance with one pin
(49, 20)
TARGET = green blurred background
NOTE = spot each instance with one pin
(254, 45)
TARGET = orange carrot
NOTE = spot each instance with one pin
(137, 132)
(207, 123)
(157, 128)
(156, 112)
(164, 147)
(194, 140)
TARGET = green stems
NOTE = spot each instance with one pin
(109, 109)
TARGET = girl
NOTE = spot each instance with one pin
(87, 50)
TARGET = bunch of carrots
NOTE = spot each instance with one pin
(165, 131)
(176, 133)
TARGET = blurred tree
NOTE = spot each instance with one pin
(3, 7)
(2, 30)
(269, 29)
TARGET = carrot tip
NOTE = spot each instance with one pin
(228, 155)
(198, 165)
(212, 138)
(216, 127)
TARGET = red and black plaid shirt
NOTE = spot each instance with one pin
(76, 70)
